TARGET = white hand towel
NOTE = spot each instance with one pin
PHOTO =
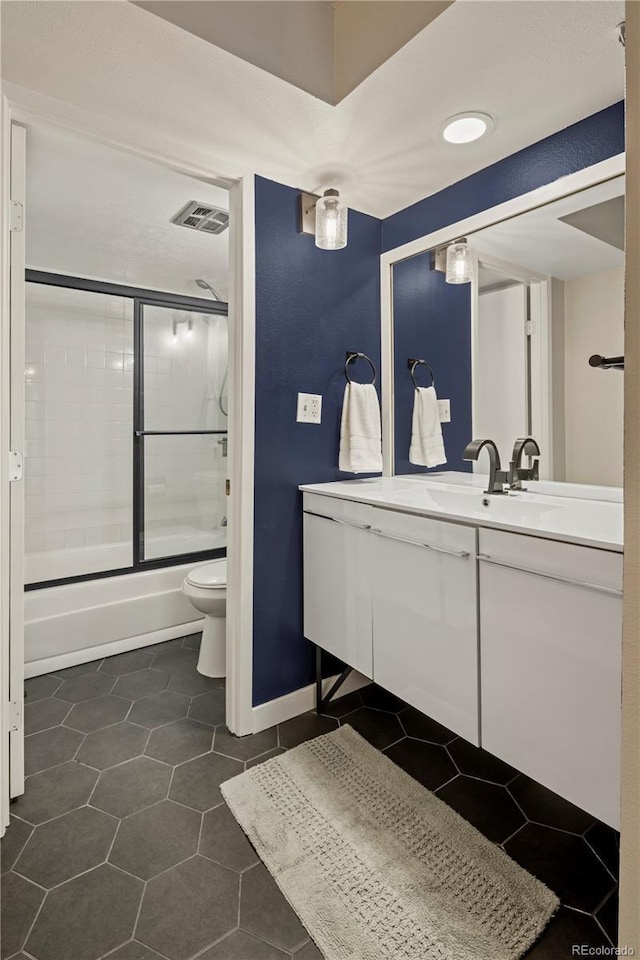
(360, 430)
(427, 447)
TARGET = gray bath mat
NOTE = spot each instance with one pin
(376, 866)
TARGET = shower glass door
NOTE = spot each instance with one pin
(180, 432)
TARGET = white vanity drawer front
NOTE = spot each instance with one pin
(331, 507)
(447, 538)
(600, 570)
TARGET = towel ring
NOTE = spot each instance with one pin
(353, 355)
(412, 363)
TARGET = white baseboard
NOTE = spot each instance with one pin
(301, 701)
(48, 664)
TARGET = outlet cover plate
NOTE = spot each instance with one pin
(309, 408)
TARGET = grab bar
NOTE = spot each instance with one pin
(583, 584)
(420, 543)
(344, 523)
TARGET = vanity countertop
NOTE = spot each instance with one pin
(581, 520)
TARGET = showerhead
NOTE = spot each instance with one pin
(205, 285)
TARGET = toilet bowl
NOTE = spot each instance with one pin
(206, 588)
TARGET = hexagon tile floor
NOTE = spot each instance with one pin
(122, 846)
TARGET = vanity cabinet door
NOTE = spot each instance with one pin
(337, 579)
(425, 641)
(551, 631)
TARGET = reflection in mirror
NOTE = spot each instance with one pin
(511, 349)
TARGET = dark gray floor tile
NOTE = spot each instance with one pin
(209, 707)
(304, 727)
(86, 917)
(489, 807)
(56, 791)
(265, 756)
(244, 748)
(192, 642)
(39, 688)
(67, 846)
(265, 912)
(21, 901)
(144, 683)
(606, 843)
(12, 844)
(158, 709)
(78, 670)
(241, 945)
(421, 727)
(543, 806)
(188, 908)
(427, 763)
(381, 729)
(475, 762)
(127, 662)
(191, 683)
(607, 917)
(223, 840)
(378, 699)
(95, 714)
(44, 714)
(308, 952)
(566, 931)
(50, 748)
(341, 706)
(134, 951)
(112, 745)
(131, 786)
(565, 863)
(155, 839)
(174, 660)
(197, 783)
(179, 741)
(84, 687)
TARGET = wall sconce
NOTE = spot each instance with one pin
(325, 217)
(455, 261)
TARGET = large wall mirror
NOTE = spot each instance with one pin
(510, 348)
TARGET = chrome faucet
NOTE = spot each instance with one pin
(497, 477)
(524, 446)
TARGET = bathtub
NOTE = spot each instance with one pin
(79, 622)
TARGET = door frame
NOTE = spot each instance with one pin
(563, 187)
(28, 107)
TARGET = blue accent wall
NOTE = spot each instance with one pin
(432, 321)
(311, 307)
(580, 145)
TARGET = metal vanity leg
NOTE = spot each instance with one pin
(321, 702)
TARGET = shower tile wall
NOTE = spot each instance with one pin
(78, 463)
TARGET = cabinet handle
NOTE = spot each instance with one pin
(584, 584)
(344, 523)
(417, 543)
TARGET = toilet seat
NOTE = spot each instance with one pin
(209, 576)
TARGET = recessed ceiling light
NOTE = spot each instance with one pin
(466, 127)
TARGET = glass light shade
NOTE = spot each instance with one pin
(458, 262)
(331, 221)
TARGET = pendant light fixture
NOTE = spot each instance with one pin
(326, 218)
(458, 262)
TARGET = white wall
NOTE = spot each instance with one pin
(594, 323)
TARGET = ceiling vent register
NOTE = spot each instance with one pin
(203, 217)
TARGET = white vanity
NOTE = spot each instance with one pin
(499, 617)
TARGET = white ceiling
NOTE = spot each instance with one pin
(93, 211)
(536, 66)
(541, 242)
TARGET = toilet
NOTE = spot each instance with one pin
(206, 588)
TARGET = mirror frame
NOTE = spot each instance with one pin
(598, 173)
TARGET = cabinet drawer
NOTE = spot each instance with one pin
(442, 537)
(600, 570)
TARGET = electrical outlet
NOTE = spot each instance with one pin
(309, 408)
(444, 411)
